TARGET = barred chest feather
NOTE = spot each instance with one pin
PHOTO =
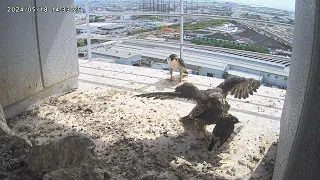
(173, 64)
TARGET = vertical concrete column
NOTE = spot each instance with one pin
(298, 154)
(20, 74)
(38, 52)
(57, 42)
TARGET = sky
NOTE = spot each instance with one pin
(279, 4)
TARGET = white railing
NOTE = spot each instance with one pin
(181, 15)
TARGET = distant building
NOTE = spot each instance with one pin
(98, 26)
(104, 60)
(125, 17)
(269, 70)
(119, 57)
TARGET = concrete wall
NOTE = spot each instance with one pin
(38, 51)
(298, 155)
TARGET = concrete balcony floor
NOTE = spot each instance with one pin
(138, 137)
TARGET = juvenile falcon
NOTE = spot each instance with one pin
(176, 63)
(211, 104)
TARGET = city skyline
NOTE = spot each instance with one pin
(283, 4)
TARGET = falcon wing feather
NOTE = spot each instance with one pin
(181, 61)
(186, 91)
(240, 87)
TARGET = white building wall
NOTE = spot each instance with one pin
(275, 80)
(216, 73)
(159, 66)
(272, 79)
(119, 60)
(252, 71)
(94, 55)
(125, 61)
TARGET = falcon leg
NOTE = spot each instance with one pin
(206, 136)
(198, 126)
(180, 77)
(171, 72)
(201, 127)
(225, 108)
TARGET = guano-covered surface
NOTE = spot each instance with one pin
(138, 138)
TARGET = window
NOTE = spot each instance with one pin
(285, 78)
(210, 75)
(276, 77)
(268, 75)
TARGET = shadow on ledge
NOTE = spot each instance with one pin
(166, 157)
(264, 170)
(165, 83)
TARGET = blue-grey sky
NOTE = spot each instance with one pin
(279, 4)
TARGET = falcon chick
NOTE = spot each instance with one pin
(176, 63)
(222, 131)
(211, 103)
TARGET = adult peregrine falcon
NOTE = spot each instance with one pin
(176, 63)
(211, 103)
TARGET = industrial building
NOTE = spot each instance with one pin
(83, 50)
(269, 70)
(118, 56)
(98, 26)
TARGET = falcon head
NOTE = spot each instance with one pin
(173, 56)
(232, 119)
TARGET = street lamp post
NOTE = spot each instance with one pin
(181, 28)
(88, 30)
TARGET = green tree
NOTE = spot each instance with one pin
(225, 75)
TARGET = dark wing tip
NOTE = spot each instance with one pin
(240, 87)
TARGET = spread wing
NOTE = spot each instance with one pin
(182, 62)
(240, 87)
(186, 91)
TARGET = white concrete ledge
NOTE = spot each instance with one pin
(266, 103)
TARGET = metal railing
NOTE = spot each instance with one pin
(181, 15)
